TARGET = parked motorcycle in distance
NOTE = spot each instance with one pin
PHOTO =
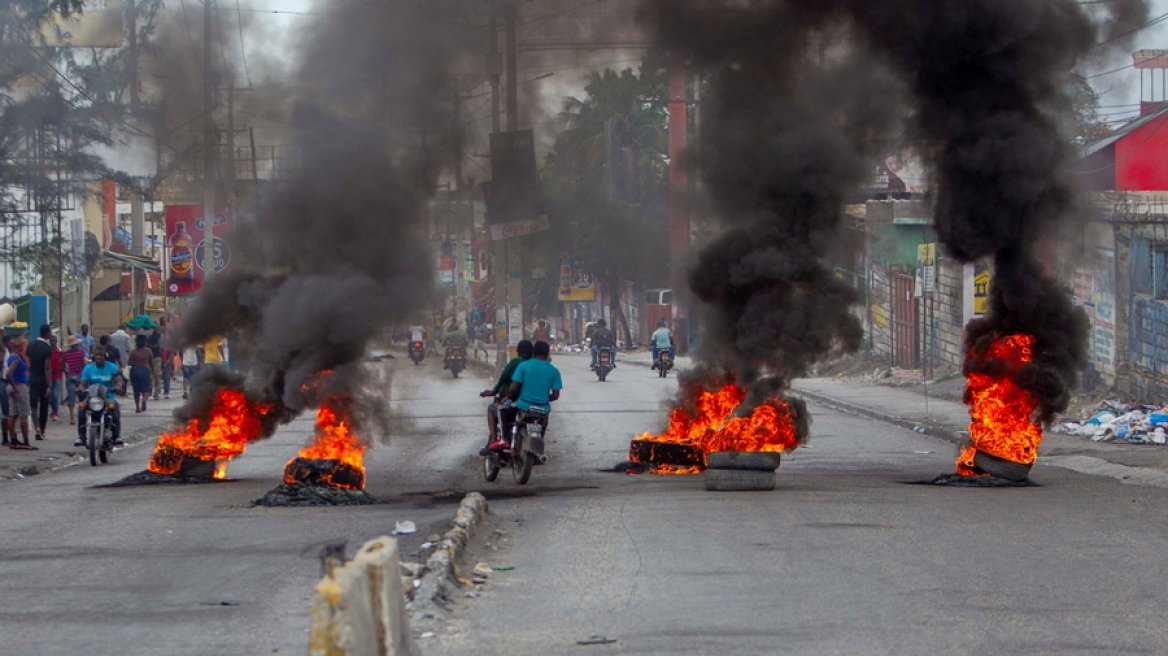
(98, 417)
(605, 361)
(525, 447)
(417, 352)
(456, 360)
(664, 362)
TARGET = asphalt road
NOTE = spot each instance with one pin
(843, 558)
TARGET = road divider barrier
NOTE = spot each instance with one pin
(359, 606)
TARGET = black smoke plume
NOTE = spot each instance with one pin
(337, 249)
(807, 93)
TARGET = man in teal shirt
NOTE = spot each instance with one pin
(536, 383)
(500, 391)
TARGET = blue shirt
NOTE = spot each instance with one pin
(537, 378)
(103, 375)
(86, 344)
(20, 374)
(661, 337)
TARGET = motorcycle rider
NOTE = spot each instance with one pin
(602, 337)
(536, 382)
(418, 334)
(500, 391)
(101, 372)
(455, 338)
(662, 338)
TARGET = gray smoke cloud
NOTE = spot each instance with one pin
(806, 93)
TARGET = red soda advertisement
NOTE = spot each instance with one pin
(186, 243)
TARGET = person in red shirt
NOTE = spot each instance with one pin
(56, 385)
(74, 360)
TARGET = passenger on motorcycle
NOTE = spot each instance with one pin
(602, 337)
(417, 334)
(102, 372)
(536, 382)
(662, 339)
(454, 339)
(500, 391)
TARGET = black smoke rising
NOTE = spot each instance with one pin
(339, 250)
(791, 131)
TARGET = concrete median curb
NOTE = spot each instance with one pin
(947, 434)
(438, 575)
(359, 607)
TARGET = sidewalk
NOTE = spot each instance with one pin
(936, 410)
(57, 450)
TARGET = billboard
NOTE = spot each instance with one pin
(513, 198)
(576, 284)
(186, 245)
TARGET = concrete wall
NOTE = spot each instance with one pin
(945, 323)
(1148, 349)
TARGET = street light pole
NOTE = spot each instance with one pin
(209, 145)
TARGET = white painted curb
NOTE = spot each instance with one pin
(359, 607)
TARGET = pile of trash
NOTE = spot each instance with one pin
(1116, 421)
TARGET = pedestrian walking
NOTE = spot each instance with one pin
(122, 341)
(154, 342)
(18, 400)
(74, 359)
(86, 340)
(190, 367)
(57, 391)
(140, 368)
(39, 356)
(9, 437)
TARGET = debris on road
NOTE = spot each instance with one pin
(404, 527)
(298, 494)
(597, 640)
(502, 568)
(482, 570)
(1116, 421)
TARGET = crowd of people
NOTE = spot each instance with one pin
(39, 376)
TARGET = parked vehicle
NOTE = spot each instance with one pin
(525, 447)
(417, 352)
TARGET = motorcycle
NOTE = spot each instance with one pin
(417, 352)
(456, 360)
(97, 413)
(525, 448)
(664, 362)
(605, 361)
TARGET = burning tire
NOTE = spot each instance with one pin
(1000, 467)
(743, 460)
(739, 480)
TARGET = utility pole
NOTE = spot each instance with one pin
(210, 143)
(137, 217)
(512, 262)
(459, 300)
(678, 194)
(229, 163)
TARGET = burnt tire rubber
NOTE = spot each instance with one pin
(491, 467)
(1000, 467)
(743, 460)
(739, 480)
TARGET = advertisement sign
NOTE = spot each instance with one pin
(576, 284)
(514, 324)
(926, 278)
(513, 198)
(186, 245)
(981, 289)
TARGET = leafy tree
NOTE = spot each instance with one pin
(606, 183)
(47, 126)
(1084, 120)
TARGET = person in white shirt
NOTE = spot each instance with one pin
(120, 339)
(190, 367)
(662, 338)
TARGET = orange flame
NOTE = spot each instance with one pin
(1003, 413)
(234, 422)
(770, 427)
(335, 440)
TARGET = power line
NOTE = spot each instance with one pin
(242, 49)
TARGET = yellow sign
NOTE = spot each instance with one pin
(879, 315)
(576, 284)
(981, 290)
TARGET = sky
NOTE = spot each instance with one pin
(1119, 91)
